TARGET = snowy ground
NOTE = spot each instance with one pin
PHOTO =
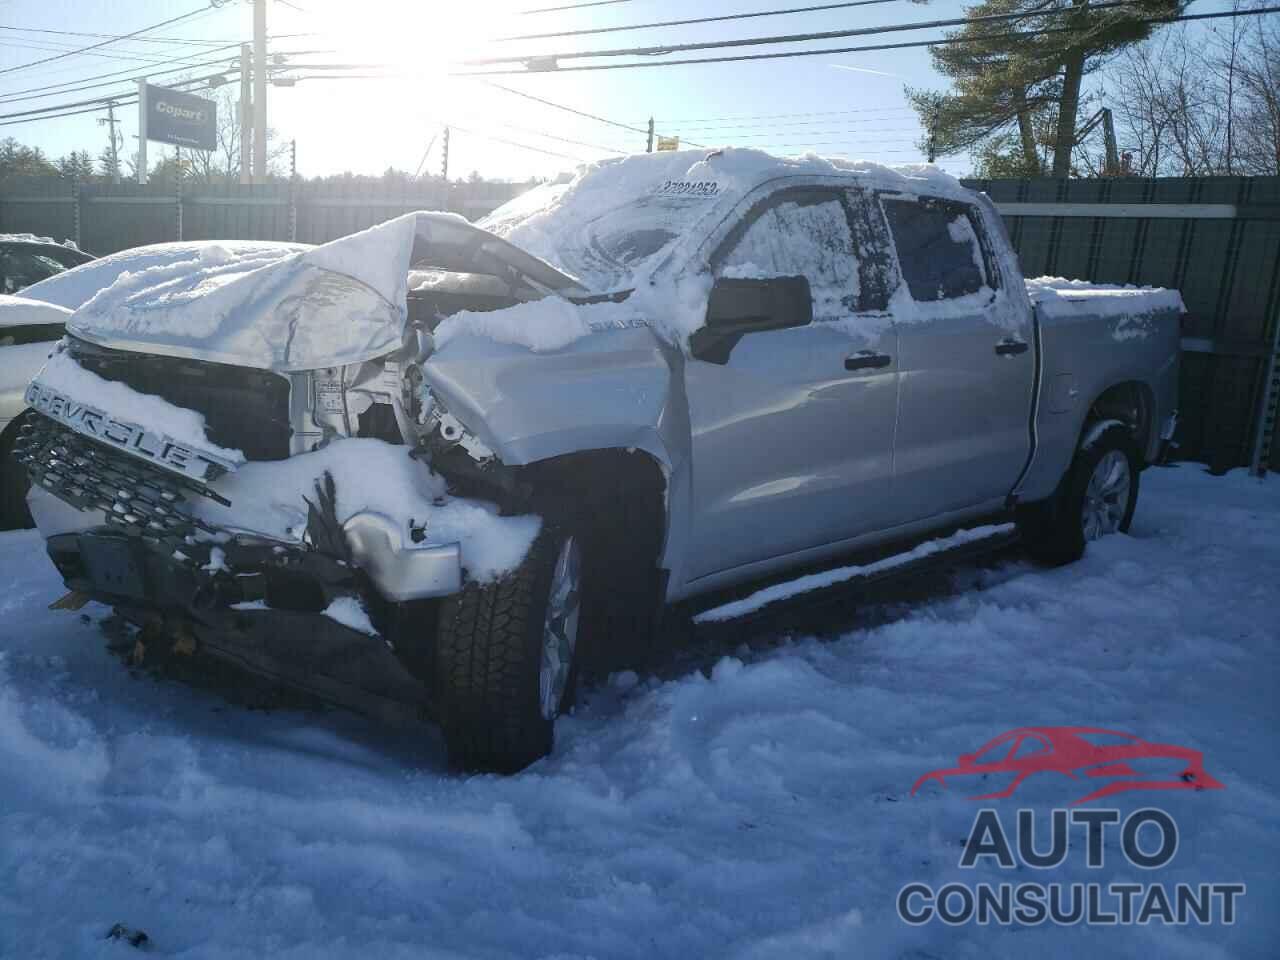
(762, 811)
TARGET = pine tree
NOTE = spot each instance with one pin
(1009, 79)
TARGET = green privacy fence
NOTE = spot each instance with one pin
(103, 218)
(1216, 239)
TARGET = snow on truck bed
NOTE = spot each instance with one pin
(1057, 296)
(758, 809)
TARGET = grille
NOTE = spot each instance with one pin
(143, 500)
(245, 410)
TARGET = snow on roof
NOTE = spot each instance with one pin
(620, 218)
(21, 311)
(32, 238)
(74, 287)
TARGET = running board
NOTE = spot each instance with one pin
(836, 584)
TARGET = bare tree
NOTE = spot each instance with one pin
(1194, 103)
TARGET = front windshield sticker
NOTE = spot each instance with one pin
(693, 189)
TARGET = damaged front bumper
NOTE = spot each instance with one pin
(121, 529)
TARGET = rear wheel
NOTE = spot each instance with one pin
(1097, 498)
(506, 657)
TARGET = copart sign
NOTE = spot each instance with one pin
(180, 119)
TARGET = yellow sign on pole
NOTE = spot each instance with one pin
(668, 143)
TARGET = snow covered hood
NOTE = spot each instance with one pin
(616, 221)
(21, 312)
(291, 309)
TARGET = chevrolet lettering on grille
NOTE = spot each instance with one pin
(99, 425)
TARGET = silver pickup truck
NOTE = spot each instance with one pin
(455, 466)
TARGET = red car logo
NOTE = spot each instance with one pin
(1091, 753)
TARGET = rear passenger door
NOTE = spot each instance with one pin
(967, 362)
(793, 428)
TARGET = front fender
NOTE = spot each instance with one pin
(612, 389)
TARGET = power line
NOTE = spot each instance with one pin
(103, 43)
(664, 50)
(580, 113)
(135, 56)
(513, 143)
(771, 116)
(827, 51)
(110, 36)
(75, 86)
(571, 6)
(684, 23)
(121, 101)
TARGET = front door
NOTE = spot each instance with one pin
(793, 429)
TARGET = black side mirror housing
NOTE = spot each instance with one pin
(737, 307)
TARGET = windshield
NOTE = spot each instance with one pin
(616, 221)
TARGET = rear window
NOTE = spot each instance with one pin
(938, 248)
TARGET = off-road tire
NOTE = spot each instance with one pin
(488, 655)
(14, 514)
(1052, 530)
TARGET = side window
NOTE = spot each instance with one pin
(23, 269)
(804, 237)
(938, 248)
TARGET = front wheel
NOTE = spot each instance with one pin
(506, 657)
(1097, 498)
(13, 484)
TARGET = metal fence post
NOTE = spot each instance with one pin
(75, 212)
(178, 199)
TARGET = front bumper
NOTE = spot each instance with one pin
(99, 507)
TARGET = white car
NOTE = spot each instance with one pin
(30, 324)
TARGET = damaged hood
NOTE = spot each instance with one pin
(339, 303)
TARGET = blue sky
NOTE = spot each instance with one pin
(849, 103)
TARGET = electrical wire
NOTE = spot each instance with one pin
(513, 143)
(124, 101)
(580, 113)
(826, 51)
(109, 36)
(684, 23)
(571, 6)
(103, 43)
(664, 50)
(41, 92)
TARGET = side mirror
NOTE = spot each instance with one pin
(738, 307)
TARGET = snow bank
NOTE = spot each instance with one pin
(827, 578)
(62, 374)
(74, 287)
(758, 807)
(268, 498)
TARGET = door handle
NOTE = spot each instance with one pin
(1011, 348)
(867, 360)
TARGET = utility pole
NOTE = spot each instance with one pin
(649, 148)
(444, 157)
(114, 149)
(246, 112)
(142, 132)
(259, 90)
(1109, 142)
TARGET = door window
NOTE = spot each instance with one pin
(805, 236)
(938, 247)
